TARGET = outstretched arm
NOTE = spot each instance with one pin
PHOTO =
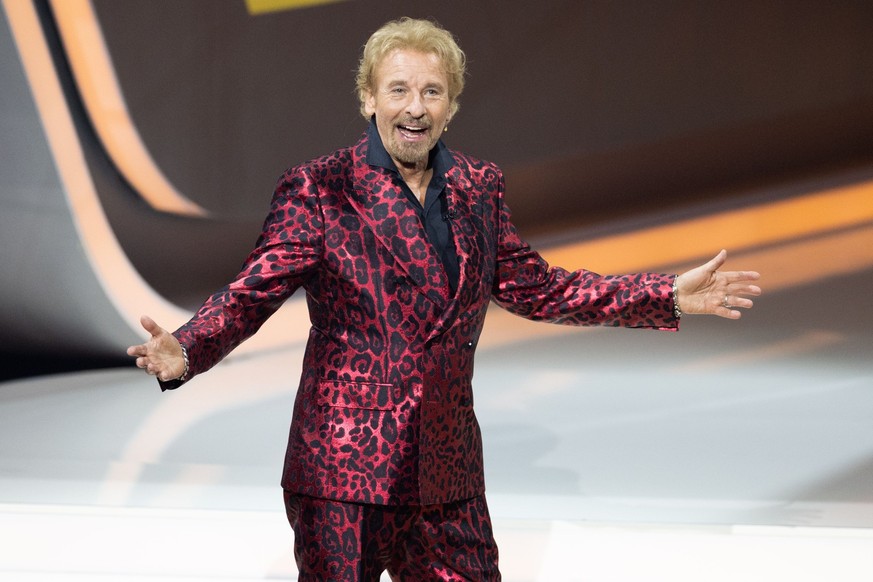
(161, 355)
(707, 290)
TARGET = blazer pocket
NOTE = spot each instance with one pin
(364, 395)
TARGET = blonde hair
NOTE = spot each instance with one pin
(411, 34)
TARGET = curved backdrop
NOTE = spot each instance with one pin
(595, 111)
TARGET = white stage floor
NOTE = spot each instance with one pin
(612, 455)
(731, 451)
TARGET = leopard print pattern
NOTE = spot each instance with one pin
(336, 541)
(384, 409)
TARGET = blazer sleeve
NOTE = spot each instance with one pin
(526, 285)
(287, 252)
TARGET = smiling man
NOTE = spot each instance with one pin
(410, 102)
(400, 245)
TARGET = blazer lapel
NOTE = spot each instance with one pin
(467, 230)
(384, 207)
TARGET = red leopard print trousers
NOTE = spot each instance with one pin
(351, 542)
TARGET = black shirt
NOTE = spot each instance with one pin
(435, 213)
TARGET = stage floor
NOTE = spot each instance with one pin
(735, 451)
(729, 451)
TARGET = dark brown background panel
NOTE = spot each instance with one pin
(595, 110)
(591, 108)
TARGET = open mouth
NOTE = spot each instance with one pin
(412, 131)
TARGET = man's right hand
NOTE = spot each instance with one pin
(161, 355)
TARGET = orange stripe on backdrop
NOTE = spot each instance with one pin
(95, 77)
(814, 215)
(264, 6)
(123, 285)
(791, 243)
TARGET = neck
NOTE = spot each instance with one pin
(417, 176)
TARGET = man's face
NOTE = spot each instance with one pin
(411, 103)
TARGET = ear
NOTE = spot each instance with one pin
(453, 108)
(369, 103)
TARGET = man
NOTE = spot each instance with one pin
(400, 245)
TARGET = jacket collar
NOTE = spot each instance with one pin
(383, 205)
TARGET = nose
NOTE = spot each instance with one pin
(415, 107)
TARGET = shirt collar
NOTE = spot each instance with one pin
(440, 159)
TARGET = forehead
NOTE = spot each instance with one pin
(407, 66)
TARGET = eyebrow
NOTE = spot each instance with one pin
(404, 83)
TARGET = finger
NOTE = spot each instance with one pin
(735, 289)
(728, 312)
(753, 290)
(738, 278)
(735, 301)
(165, 376)
(158, 371)
(151, 326)
(139, 350)
(741, 276)
(717, 261)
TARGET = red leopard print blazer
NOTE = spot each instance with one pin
(384, 409)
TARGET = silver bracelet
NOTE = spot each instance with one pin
(185, 355)
(677, 311)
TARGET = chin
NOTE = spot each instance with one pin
(411, 155)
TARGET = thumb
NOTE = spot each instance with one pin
(716, 262)
(150, 326)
